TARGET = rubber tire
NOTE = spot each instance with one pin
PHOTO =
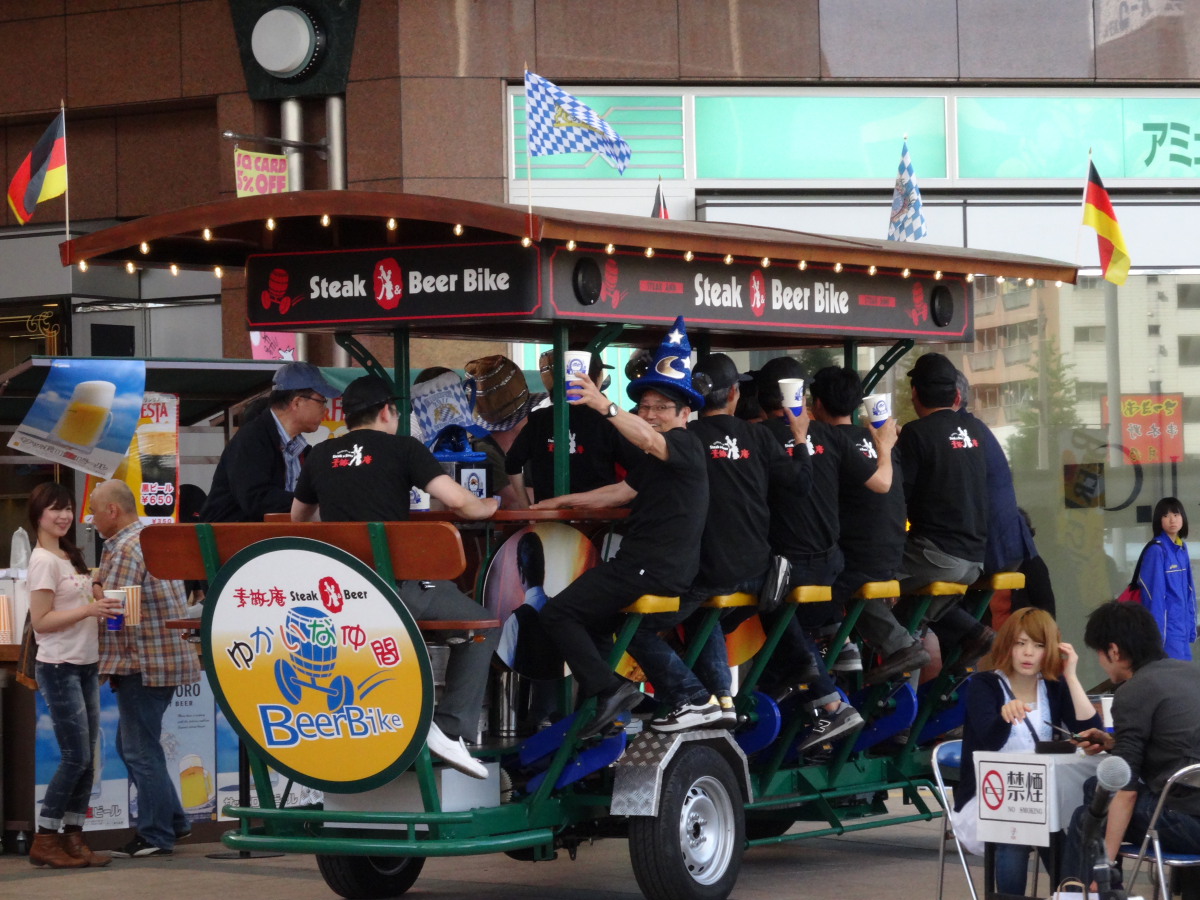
(698, 782)
(370, 877)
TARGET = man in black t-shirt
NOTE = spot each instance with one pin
(595, 447)
(660, 553)
(872, 529)
(745, 463)
(366, 476)
(806, 528)
(945, 489)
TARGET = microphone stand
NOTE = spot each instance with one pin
(1101, 872)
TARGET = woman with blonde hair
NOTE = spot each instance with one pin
(1031, 684)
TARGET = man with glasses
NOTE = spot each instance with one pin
(660, 553)
(258, 470)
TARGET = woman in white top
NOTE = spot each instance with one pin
(64, 619)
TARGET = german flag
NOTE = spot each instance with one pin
(43, 174)
(1098, 213)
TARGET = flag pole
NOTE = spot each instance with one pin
(1083, 208)
(528, 163)
(62, 111)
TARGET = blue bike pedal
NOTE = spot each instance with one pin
(767, 721)
(900, 717)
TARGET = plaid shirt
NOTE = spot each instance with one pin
(159, 653)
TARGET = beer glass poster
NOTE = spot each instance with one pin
(85, 414)
(151, 463)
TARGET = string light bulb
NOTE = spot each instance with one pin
(1028, 282)
(837, 267)
(325, 220)
(970, 278)
(1058, 284)
(765, 262)
(270, 224)
(999, 279)
(218, 272)
(649, 251)
(174, 269)
(144, 247)
(871, 270)
(905, 273)
(937, 276)
(802, 265)
(391, 224)
(526, 241)
(571, 244)
(458, 230)
(83, 266)
(729, 259)
(688, 256)
(130, 267)
(206, 234)
(610, 249)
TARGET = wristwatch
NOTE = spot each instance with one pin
(611, 412)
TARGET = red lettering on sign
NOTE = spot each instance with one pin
(876, 300)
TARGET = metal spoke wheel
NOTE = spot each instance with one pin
(370, 877)
(692, 850)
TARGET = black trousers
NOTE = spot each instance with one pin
(582, 617)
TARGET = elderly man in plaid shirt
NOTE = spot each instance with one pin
(144, 665)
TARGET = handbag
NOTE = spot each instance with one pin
(27, 657)
(771, 595)
(966, 826)
(1133, 593)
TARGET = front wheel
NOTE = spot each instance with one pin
(370, 877)
(692, 850)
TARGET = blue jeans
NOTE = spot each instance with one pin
(72, 694)
(674, 683)
(1178, 832)
(160, 816)
(712, 665)
(1012, 867)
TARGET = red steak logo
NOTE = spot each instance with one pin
(758, 293)
(389, 283)
(331, 594)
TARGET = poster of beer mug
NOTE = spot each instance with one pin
(85, 414)
(196, 789)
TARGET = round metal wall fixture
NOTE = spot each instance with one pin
(941, 306)
(288, 42)
(587, 281)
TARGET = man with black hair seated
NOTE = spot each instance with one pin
(366, 476)
(872, 529)
(1156, 729)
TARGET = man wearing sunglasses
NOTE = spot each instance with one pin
(258, 470)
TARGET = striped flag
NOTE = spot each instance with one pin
(907, 222)
(555, 122)
(43, 173)
(660, 204)
(1098, 213)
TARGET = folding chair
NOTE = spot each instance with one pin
(1188, 777)
(948, 755)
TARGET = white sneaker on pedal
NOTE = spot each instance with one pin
(690, 715)
(454, 753)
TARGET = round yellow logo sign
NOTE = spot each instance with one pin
(318, 664)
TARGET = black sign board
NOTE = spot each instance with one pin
(392, 285)
(746, 296)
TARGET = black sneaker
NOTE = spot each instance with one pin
(139, 848)
(609, 706)
(909, 659)
(831, 726)
(688, 716)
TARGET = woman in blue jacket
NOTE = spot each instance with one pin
(1165, 579)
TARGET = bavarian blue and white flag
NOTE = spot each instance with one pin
(556, 122)
(907, 222)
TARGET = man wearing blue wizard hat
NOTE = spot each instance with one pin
(660, 553)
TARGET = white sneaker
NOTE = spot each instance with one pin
(454, 753)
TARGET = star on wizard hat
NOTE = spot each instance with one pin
(669, 371)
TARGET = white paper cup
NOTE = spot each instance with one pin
(1106, 709)
(793, 394)
(575, 363)
(877, 408)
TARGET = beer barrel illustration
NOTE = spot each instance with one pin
(314, 636)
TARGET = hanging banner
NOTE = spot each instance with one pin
(151, 463)
(85, 414)
(259, 173)
(1151, 427)
(279, 346)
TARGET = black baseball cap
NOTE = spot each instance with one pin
(365, 393)
(720, 370)
(934, 369)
